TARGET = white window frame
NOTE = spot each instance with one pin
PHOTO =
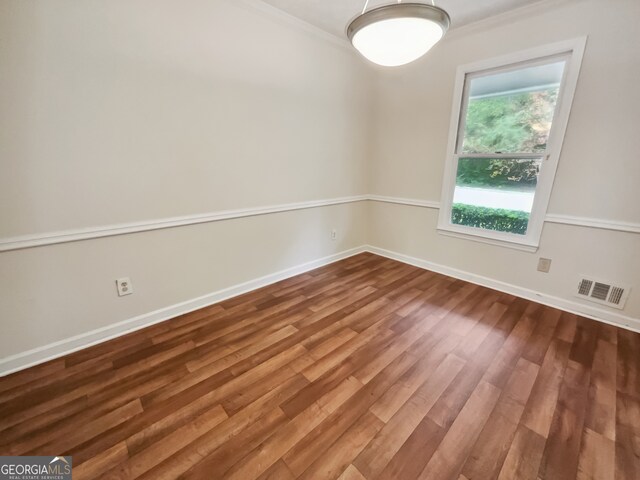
(573, 50)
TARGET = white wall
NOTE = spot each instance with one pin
(119, 111)
(598, 171)
(60, 291)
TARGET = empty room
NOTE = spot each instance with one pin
(320, 239)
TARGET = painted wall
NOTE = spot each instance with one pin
(118, 111)
(598, 171)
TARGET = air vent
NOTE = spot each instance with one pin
(585, 287)
(600, 291)
(616, 295)
(605, 293)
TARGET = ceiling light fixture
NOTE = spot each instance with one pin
(398, 34)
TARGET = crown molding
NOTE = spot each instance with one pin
(281, 16)
(524, 11)
(510, 16)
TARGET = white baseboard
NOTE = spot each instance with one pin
(55, 350)
(594, 313)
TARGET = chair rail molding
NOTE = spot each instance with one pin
(615, 225)
(406, 201)
(619, 226)
(74, 235)
(89, 233)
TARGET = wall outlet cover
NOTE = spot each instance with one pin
(125, 287)
(544, 265)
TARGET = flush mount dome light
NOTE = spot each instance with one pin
(398, 34)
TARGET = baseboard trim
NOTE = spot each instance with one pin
(61, 348)
(594, 313)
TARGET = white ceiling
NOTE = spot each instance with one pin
(334, 15)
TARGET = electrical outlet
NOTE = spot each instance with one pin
(334, 234)
(125, 287)
(544, 265)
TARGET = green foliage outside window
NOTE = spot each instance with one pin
(498, 173)
(511, 221)
(506, 124)
(510, 123)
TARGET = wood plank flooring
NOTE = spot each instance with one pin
(364, 369)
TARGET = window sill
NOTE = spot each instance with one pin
(522, 246)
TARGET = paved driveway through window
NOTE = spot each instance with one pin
(491, 198)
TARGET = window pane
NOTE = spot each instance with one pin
(495, 193)
(512, 112)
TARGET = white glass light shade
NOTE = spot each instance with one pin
(397, 41)
(398, 34)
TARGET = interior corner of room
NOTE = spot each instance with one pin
(403, 242)
(195, 165)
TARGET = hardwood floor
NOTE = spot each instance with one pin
(364, 369)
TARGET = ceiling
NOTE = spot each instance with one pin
(334, 15)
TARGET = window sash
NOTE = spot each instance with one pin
(507, 156)
(470, 76)
(507, 236)
(572, 51)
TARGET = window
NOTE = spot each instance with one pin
(508, 124)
